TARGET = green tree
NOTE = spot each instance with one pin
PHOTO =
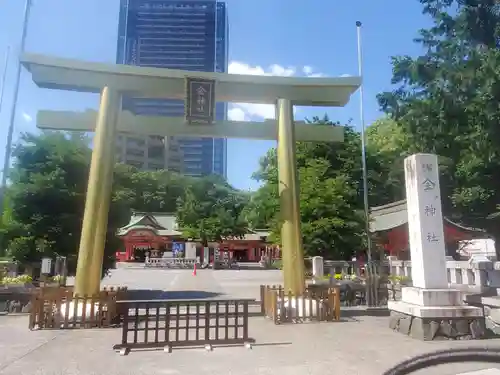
(260, 212)
(47, 198)
(149, 191)
(211, 210)
(447, 102)
(331, 202)
(387, 147)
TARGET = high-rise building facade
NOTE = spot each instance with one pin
(176, 34)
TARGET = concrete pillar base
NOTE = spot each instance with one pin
(435, 314)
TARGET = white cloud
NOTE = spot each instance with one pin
(27, 117)
(315, 75)
(236, 114)
(346, 75)
(307, 70)
(247, 111)
(236, 67)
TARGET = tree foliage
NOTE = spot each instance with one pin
(331, 202)
(46, 200)
(446, 100)
(387, 147)
(149, 191)
(211, 210)
(46, 196)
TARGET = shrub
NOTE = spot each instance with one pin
(396, 279)
(21, 279)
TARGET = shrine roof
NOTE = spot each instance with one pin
(164, 224)
(253, 235)
(393, 215)
(260, 232)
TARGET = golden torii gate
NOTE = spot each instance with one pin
(111, 81)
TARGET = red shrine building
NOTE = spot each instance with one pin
(389, 225)
(156, 233)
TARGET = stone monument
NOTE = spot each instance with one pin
(317, 269)
(429, 309)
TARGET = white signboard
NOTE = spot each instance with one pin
(46, 266)
(206, 255)
(190, 250)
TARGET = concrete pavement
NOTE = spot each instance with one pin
(362, 345)
(231, 283)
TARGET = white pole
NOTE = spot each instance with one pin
(13, 108)
(363, 143)
(4, 76)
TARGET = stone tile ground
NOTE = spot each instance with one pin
(362, 345)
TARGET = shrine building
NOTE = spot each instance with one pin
(157, 233)
(389, 225)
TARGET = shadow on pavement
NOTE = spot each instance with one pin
(150, 294)
(364, 311)
(215, 346)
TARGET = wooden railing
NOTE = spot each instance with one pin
(173, 323)
(170, 262)
(58, 308)
(317, 304)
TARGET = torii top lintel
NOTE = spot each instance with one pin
(76, 75)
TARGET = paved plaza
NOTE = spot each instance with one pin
(357, 345)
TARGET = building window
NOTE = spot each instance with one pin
(135, 152)
(156, 152)
(136, 164)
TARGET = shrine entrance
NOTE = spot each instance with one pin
(114, 81)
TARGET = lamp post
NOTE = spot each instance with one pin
(4, 76)
(13, 109)
(363, 144)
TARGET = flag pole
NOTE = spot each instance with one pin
(4, 77)
(363, 143)
(13, 109)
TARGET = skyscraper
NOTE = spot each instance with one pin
(177, 34)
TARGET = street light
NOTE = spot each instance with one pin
(4, 76)
(363, 144)
(8, 146)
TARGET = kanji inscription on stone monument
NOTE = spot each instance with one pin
(430, 210)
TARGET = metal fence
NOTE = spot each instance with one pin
(173, 323)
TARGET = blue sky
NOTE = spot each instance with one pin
(271, 36)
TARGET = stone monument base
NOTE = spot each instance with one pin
(436, 314)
